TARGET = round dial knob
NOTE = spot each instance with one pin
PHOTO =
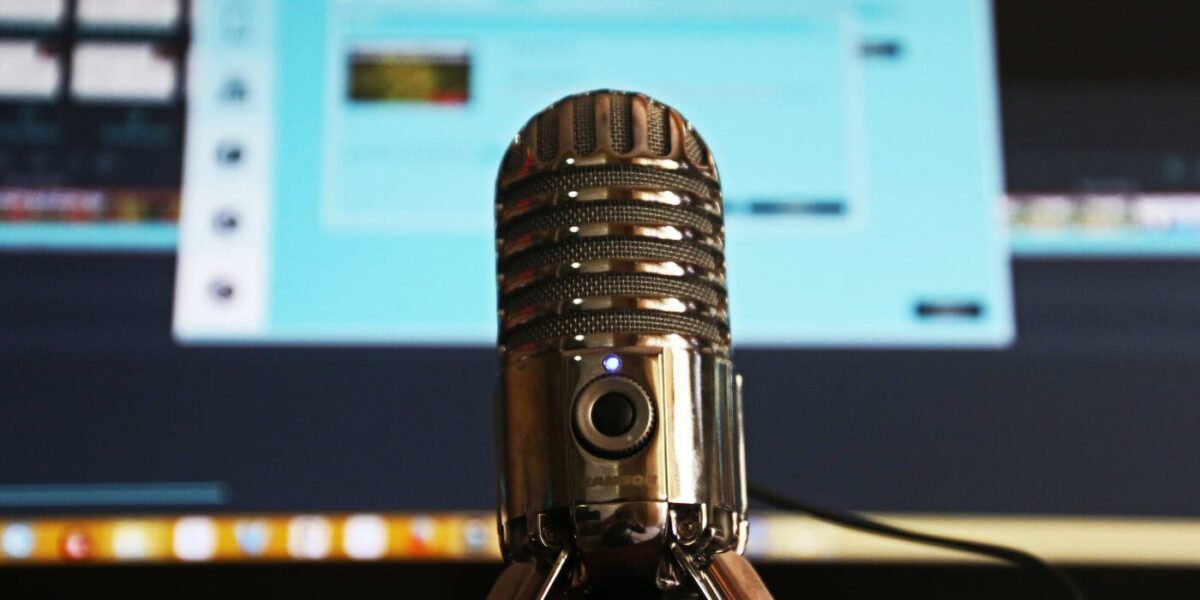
(613, 417)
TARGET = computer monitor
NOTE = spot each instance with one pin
(247, 303)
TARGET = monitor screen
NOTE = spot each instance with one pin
(342, 159)
(247, 277)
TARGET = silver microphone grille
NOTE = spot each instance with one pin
(609, 230)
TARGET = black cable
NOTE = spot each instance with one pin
(1062, 583)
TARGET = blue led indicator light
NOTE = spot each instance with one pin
(612, 363)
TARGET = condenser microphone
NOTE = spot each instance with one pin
(618, 410)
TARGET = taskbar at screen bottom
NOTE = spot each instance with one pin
(471, 536)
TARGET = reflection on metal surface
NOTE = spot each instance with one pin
(735, 578)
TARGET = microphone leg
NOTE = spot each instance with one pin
(728, 577)
(736, 578)
(522, 581)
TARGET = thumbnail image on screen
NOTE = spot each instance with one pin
(91, 123)
(422, 74)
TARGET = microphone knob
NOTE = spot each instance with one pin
(613, 418)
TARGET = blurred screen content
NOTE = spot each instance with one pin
(91, 124)
(859, 150)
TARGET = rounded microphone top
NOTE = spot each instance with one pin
(609, 230)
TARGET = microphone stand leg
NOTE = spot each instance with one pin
(736, 578)
(728, 577)
(522, 581)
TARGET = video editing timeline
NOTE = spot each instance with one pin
(91, 122)
(1099, 171)
(1105, 223)
(858, 146)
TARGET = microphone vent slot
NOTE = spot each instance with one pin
(694, 149)
(620, 125)
(547, 136)
(658, 129)
(513, 158)
(585, 125)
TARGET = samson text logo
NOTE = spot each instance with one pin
(621, 480)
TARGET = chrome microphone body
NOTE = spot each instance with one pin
(618, 411)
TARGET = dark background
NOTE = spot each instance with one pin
(472, 580)
(1093, 411)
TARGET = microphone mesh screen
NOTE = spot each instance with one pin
(588, 241)
(615, 176)
(606, 212)
(610, 248)
(614, 321)
(612, 284)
